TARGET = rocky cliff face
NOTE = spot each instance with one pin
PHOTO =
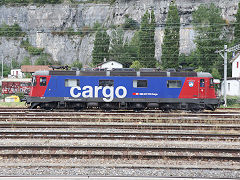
(40, 21)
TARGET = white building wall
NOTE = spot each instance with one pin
(233, 88)
(236, 67)
(110, 65)
(17, 73)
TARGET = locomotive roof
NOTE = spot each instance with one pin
(123, 73)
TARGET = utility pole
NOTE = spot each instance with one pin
(226, 50)
(225, 75)
(2, 67)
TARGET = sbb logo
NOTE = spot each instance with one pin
(108, 92)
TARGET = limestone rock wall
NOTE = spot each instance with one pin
(40, 21)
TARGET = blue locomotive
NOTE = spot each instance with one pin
(118, 89)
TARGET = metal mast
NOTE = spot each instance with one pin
(224, 56)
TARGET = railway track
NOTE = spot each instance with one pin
(120, 152)
(120, 135)
(149, 136)
(121, 119)
(134, 126)
(218, 111)
(173, 114)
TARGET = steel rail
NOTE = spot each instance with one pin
(120, 135)
(125, 119)
(121, 152)
(151, 126)
(14, 109)
(154, 114)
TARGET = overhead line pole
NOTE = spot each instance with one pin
(2, 67)
(226, 50)
(225, 75)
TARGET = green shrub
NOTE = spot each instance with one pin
(231, 100)
(26, 2)
(136, 65)
(34, 51)
(77, 64)
(20, 95)
(112, 1)
(44, 59)
(96, 26)
(47, 1)
(70, 32)
(31, 49)
(11, 31)
(130, 24)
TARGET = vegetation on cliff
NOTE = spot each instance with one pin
(171, 40)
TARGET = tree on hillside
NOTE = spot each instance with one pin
(6, 70)
(209, 24)
(132, 50)
(117, 50)
(44, 60)
(101, 46)
(15, 64)
(26, 61)
(77, 64)
(146, 40)
(136, 65)
(191, 60)
(170, 46)
(237, 26)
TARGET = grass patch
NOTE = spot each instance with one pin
(12, 104)
(231, 106)
(70, 32)
(232, 102)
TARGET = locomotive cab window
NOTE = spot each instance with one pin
(174, 84)
(211, 83)
(34, 81)
(140, 83)
(43, 81)
(72, 82)
(106, 82)
(202, 83)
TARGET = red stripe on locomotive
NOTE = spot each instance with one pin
(192, 88)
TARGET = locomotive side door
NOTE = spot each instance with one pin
(202, 89)
(52, 86)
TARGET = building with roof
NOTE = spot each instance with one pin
(109, 65)
(16, 73)
(34, 68)
(233, 83)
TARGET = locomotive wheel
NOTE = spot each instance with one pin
(34, 105)
(107, 110)
(194, 110)
(166, 110)
(214, 108)
(137, 107)
(49, 106)
(137, 110)
(107, 107)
